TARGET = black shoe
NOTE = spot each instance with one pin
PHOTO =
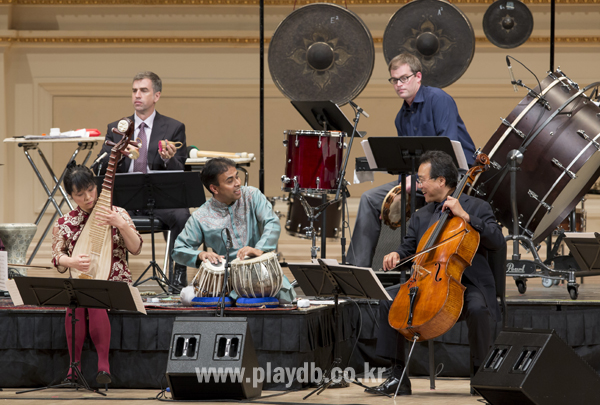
(389, 387)
(103, 378)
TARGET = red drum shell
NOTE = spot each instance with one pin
(313, 160)
(540, 175)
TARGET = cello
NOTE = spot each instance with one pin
(431, 301)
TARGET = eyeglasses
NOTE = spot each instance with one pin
(403, 79)
(420, 180)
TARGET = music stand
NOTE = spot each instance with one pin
(150, 191)
(74, 293)
(324, 278)
(325, 116)
(401, 154)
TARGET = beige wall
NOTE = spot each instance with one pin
(71, 67)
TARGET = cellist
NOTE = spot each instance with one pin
(437, 179)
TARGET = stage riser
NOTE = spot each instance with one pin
(33, 344)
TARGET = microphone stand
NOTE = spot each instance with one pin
(342, 180)
(221, 304)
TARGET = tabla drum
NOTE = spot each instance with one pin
(559, 138)
(297, 220)
(313, 161)
(208, 281)
(258, 277)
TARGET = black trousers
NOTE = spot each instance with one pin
(390, 343)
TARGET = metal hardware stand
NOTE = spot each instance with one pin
(521, 270)
(51, 193)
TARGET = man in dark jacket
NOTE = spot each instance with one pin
(438, 178)
(152, 127)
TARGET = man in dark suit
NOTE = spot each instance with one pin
(438, 178)
(152, 127)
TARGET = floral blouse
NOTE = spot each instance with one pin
(67, 231)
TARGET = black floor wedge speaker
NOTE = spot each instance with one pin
(206, 359)
(526, 367)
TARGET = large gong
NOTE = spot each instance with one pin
(438, 33)
(321, 52)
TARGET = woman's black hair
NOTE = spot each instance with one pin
(78, 178)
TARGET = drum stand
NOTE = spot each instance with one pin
(312, 213)
(523, 269)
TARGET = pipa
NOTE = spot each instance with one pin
(95, 239)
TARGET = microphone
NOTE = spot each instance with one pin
(102, 156)
(229, 240)
(360, 110)
(512, 76)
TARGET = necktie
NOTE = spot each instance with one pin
(141, 163)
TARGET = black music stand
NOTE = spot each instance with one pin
(74, 293)
(325, 116)
(150, 191)
(324, 278)
(401, 154)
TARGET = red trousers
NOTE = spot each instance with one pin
(99, 327)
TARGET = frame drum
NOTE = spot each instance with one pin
(559, 138)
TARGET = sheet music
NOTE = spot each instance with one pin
(137, 299)
(460, 155)
(15, 296)
(3, 269)
(369, 154)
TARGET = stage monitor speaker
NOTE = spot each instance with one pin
(222, 347)
(527, 366)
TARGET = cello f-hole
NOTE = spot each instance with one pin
(437, 273)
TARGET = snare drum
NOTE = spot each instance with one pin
(580, 221)
(313, 160)
(258, 277)
(208, 281)
(297, 221)
(561, 158)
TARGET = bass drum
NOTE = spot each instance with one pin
(559, 138)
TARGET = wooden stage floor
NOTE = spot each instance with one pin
(449, 391)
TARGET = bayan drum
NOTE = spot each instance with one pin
(208, 281)
(258, 277)
(297, 221)
(558, 134)
(313, 161)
